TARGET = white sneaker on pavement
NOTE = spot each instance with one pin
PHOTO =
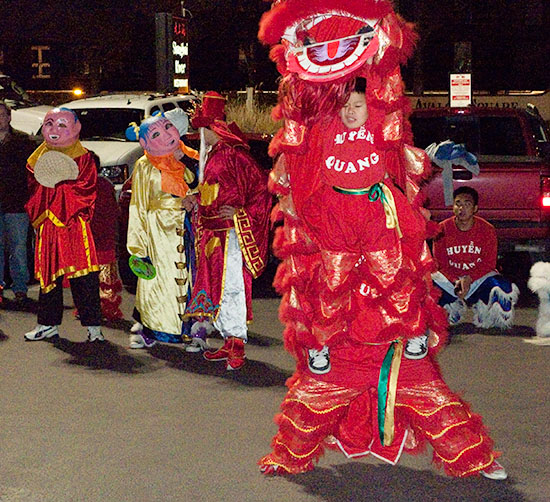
(136, 341)
(495, 471)
(41, 332)
(95, 334)
(197, 344)
(140, 341)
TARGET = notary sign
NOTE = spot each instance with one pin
(180, 54)
(460, 90)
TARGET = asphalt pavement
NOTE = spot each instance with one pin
(102, 423)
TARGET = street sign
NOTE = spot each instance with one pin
(180, 54)
(172, 53)
(460, 89)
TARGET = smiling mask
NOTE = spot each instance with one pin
(61, 128)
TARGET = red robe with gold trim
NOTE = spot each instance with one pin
(233, 178)
(61, 218)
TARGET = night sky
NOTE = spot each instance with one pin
(109, 45)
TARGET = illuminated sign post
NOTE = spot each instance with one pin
(172, 53)
(180, 54)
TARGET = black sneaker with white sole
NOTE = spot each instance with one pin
(318, 361)
(417, 347)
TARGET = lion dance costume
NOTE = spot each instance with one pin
(356, 278)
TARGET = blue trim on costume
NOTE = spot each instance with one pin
(160, 336)
(483, 292)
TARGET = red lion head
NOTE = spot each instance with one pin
(320, 46)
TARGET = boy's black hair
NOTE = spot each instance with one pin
(360, 85)
(468, 190)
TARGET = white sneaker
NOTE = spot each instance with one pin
(197, 345)
(136, 341)
(95, 334)
(40, 332)
(417, 347)
(318, 361)
(137, 327)
(495, 471)
(139, 341)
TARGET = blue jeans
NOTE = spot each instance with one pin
(13, 239)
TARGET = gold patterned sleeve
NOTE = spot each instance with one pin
(138, 231)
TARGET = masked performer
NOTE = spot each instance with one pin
(62, 188)
(159, 232)
(232, 234)
(355, 275)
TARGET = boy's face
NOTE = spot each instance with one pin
(354, 113)
(464, 208)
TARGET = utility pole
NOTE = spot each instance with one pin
(163, 47)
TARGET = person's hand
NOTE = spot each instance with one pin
(227, 212)
(462, 286)
(189, 202)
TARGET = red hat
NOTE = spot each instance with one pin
(212, 108)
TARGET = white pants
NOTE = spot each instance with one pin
(231, 319)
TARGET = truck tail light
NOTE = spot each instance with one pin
(545, 193)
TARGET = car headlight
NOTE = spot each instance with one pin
(116, 174)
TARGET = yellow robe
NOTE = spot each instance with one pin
(156, 230)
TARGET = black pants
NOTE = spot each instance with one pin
(85, 291)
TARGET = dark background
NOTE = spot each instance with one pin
(109, 45)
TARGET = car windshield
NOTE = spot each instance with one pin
(107, 123)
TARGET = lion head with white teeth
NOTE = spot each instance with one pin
(325, 40)
(325, 44)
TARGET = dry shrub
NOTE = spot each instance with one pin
(252, 119)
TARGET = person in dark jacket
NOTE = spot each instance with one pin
(15, 147)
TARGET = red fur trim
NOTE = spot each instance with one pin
(274, 22)
(277, 55)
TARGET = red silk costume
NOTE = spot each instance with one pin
(61, 217)
(355, 271)
(233, 178)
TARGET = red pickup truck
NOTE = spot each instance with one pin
(512, 148)
(513, 151)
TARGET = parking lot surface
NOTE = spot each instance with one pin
(96, 424)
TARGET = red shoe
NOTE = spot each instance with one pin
(221, 354)
(232, 352)
(236, 357)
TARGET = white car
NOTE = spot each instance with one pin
(105, 119)
(29, 120)
(26, 116)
